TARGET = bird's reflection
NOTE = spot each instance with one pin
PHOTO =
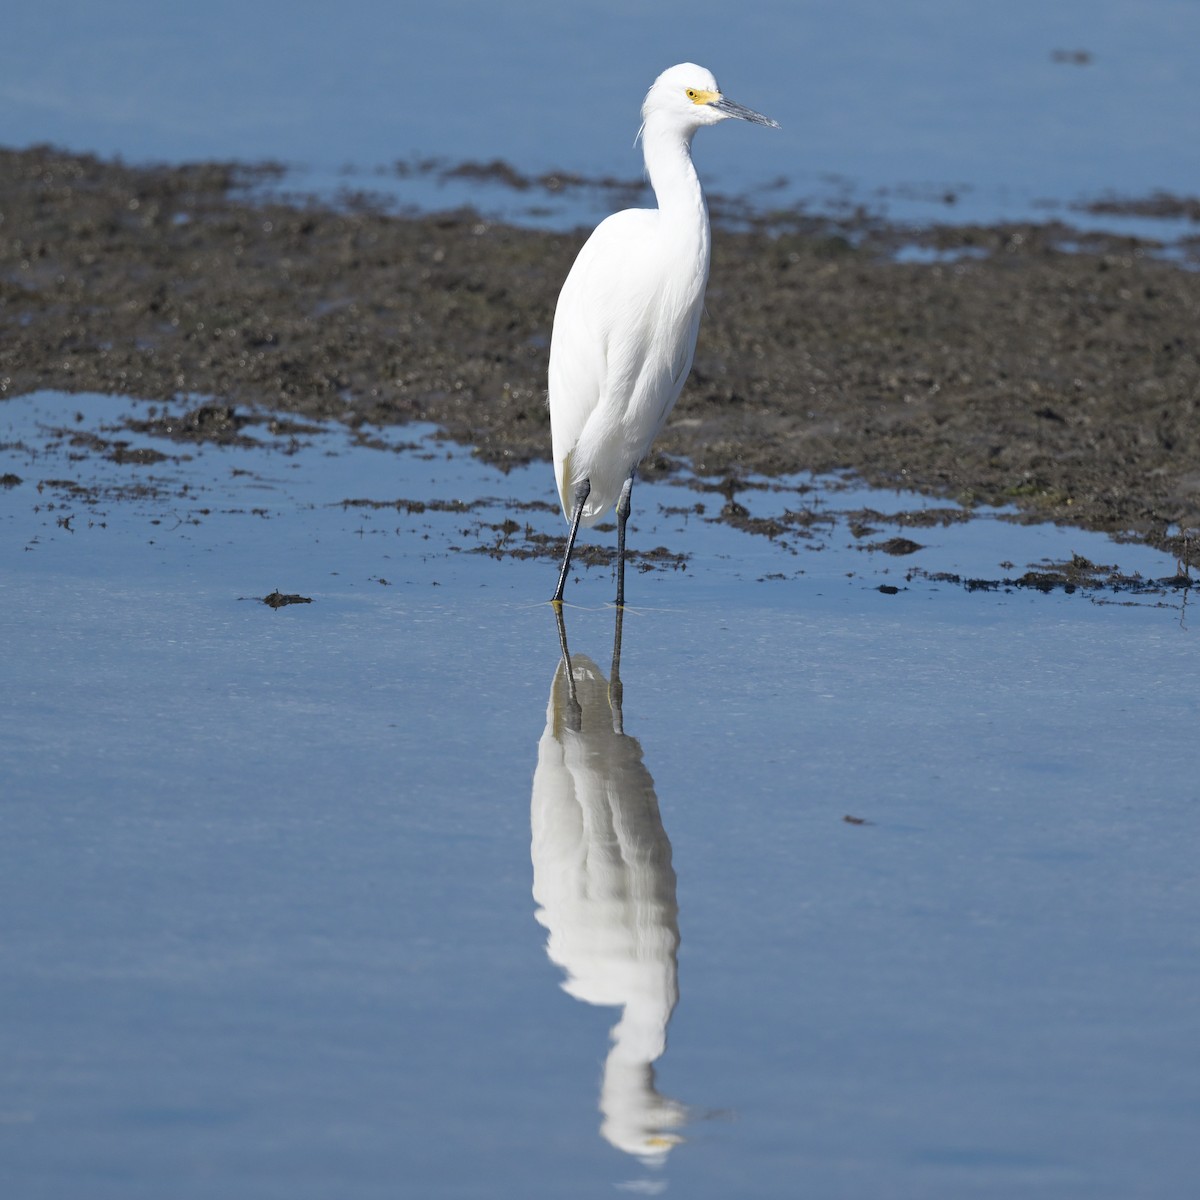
(605, 891)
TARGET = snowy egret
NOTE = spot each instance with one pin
(628, 314)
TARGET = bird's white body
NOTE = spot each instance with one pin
(625, 329)
(628, 315)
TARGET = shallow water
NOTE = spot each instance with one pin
(883, 894)
(891, 105)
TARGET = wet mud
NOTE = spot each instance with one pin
(808, 518)
(278, 599)
(1025, 365)
(1097, 582)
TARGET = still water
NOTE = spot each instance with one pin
(408, 891)
(1014, 110)
(817, 890)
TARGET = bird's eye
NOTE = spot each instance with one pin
(691, 93)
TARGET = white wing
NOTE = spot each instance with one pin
(624, 335)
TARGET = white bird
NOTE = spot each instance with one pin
(628, 314)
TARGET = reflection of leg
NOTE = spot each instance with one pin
(574, 710)
(623, 509)
(616, 690)
(582, 491)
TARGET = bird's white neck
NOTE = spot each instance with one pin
(668, 153)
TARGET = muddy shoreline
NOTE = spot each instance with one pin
(1010, 371)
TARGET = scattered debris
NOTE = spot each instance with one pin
(897, 545)
(1075, 58)
(1077, 575)
(278, 599)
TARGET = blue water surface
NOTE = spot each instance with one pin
(899, 105)
(828, 890)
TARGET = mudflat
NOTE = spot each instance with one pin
(1023, 364)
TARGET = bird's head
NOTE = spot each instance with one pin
(687, 96)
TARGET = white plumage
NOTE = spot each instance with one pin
(627, 317)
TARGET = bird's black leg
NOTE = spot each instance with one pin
(582, 490)
(623, 509)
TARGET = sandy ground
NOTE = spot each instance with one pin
(1066, 383)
